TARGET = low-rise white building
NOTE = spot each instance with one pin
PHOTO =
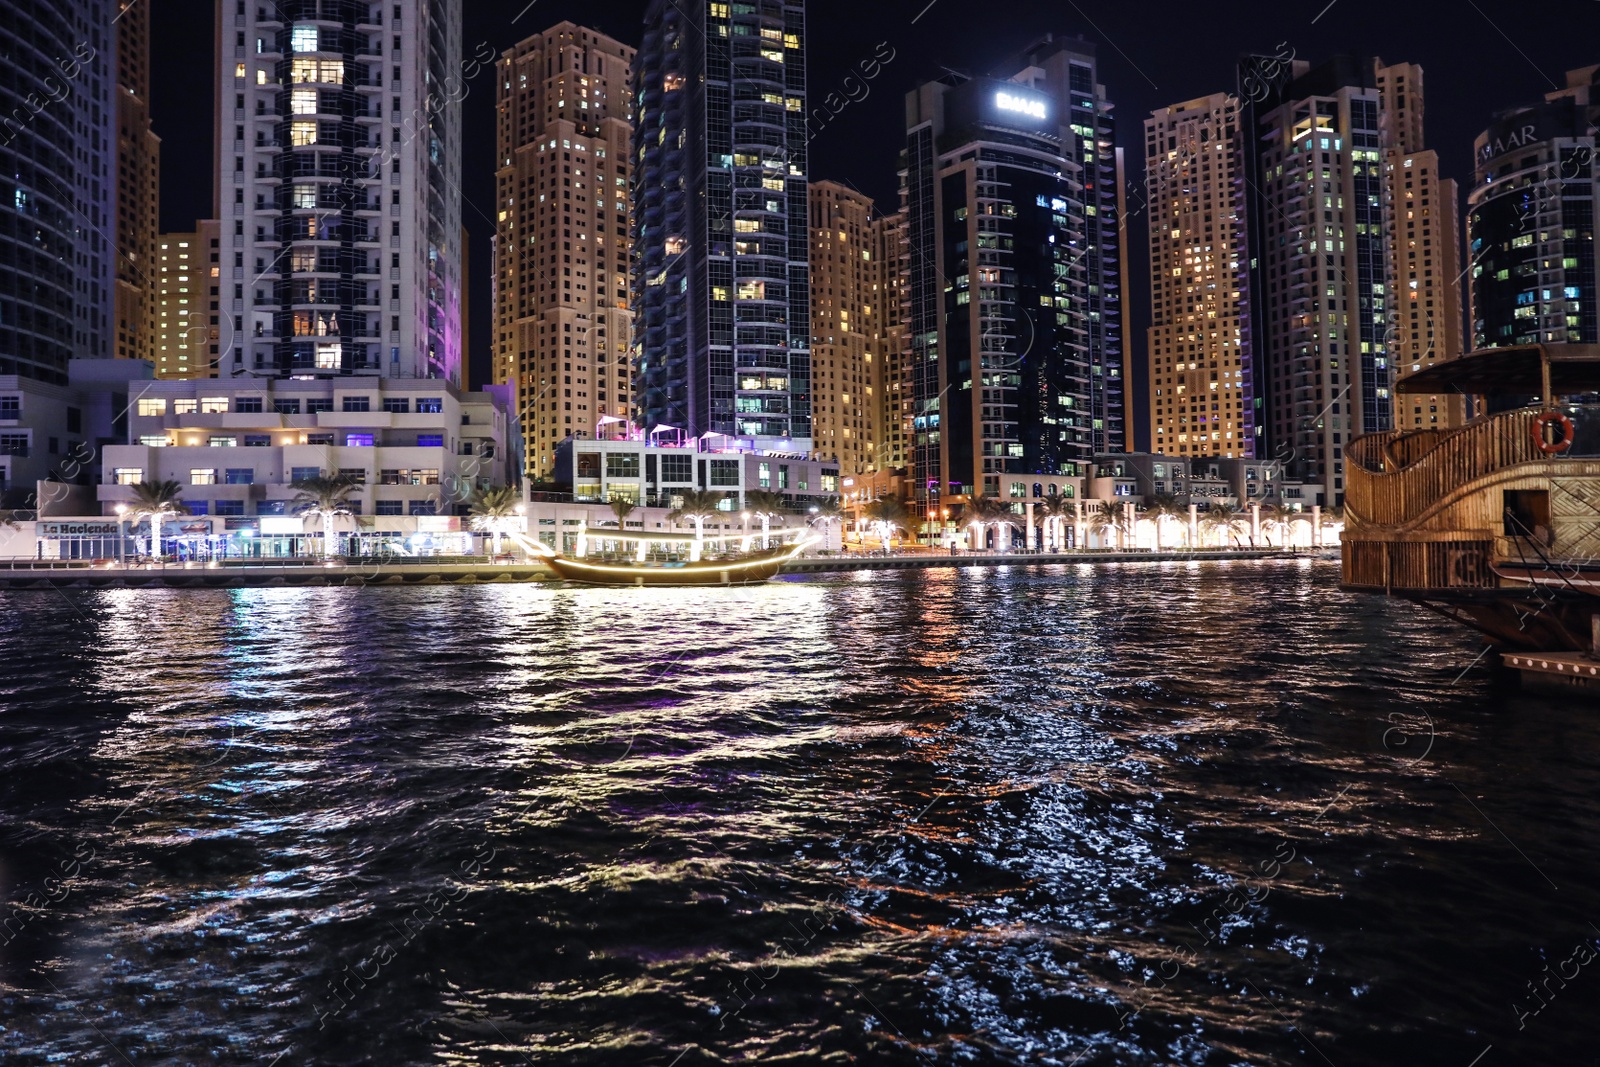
(416, 449)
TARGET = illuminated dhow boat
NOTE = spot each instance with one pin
(727, 566)
(1495, 524)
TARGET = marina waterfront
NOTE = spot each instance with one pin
(1190, 812)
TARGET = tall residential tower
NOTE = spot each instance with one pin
(1320, 281)
(562, 318)
(58, 152)
(1202, 398)
(1424, 235)
(1011, 187)
(339, 187)
(721, 258)
(1531, 220)
(137, 189)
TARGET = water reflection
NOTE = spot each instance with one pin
(1117, 815)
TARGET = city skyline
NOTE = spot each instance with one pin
(858, 144)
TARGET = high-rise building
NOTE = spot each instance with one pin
(137, 189)
(187, 277)
(721, 258)
(338, 188)
(1424, 234)
(563, 327)
(888, 248)
(1320, 278)
(847, 360)
(1011, 188)
(1531, 220)
(57, 138)
(1202, 396)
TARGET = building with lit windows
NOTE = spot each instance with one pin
(657, 471)
(563, 327)
(1531, 220)
(1202, 398)
(57, 137)
(338, 187)
(1011, 187)
(1321, 293)
(721, 258)
(888, 245)
(411, 446)
(137, 189)
(187, 279)
(849, 303)
(1424, 220)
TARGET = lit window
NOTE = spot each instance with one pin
(152, 407)
(303, 38)
(128, 475)
(305, 196)
(213, 405)
(202, 476)
(302, 133)
(154, 440)
(184, 407)
(330, 356)
(303, 102)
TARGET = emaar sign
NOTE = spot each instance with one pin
(1031, 106)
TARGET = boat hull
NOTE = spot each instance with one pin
(748, 571)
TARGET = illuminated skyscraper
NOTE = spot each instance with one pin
(847, 362)
(888, 244)
(721, 258)
(57, 151)
(1202, 400)
(562, 319)
(1531, 220)
(339, 187)
(1321, 291)
(1424, 233)
(1012, 191)
(137, 188)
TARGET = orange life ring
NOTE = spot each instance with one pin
(1545, 418)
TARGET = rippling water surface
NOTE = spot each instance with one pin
(1192, 813)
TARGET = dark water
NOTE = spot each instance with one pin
(1200, 814)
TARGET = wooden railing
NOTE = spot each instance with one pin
(1391, 480)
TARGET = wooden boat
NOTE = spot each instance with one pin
(740, 568)
(1495, 524)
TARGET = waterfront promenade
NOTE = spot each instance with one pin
(42, 574)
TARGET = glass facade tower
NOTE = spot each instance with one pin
(58, 154)
(720, 259)
(1011, 187)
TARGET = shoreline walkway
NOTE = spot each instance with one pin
(84, 574)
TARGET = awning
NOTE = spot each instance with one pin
(1574, 368)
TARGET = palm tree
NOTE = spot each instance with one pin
(1055, 510)
(326, 497)
(493, 511)
(887, 514)
(696, 506)
(766, 506)
(1224, 518)
(155, 501)
(828, 510)
(1164, 506)
(1273, 513)
(1101, 519)
(622, 507)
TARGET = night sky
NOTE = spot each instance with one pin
(1478, 57)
